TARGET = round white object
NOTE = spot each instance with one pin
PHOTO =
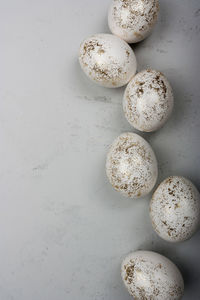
(148, 100)
(107, 60)
(131, 165)
(149, 275)
(175, 209)
(132, 20)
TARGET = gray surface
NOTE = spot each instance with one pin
(63, 229)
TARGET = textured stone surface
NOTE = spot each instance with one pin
(64, 230)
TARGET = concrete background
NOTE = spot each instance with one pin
(63, 229)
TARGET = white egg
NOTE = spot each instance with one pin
(131, 165)
(107, 60)
(149, 275)
(132, 20)
(175, 209)
(148, 100)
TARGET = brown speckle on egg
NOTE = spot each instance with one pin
(149, 275)
(148, 100)
(132, 20)
(107, 60)
(175, 209)
(131, 165)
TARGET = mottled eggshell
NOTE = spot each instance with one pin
(131, 165)
(175, 209)
(148, 100)
(132, 20)
(149, 275)
(107, 60)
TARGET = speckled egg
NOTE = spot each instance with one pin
(148, 100)
(149, 275)
(131, 165)
(175, 209)
(107, 60)
(132, 20)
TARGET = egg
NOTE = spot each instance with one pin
(131, 165)
(175, 209)
(148, 100)
(149, 275)
(107, 60)
(132, 20)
